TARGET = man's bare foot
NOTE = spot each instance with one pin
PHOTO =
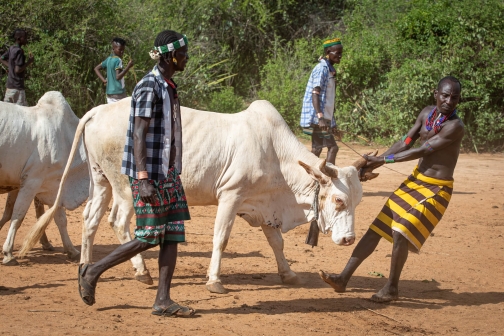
(334, 281)
(386, 294)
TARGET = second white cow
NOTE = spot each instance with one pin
(35, 143)
(249, 164)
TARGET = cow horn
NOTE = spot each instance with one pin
(329, 171)
(361, 162)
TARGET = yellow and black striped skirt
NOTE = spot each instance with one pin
(414, 209)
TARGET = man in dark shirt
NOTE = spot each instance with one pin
(15, 60)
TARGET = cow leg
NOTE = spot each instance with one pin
(226, 214)
(61, 222)
(39, 211)
(9, 207)
(21, 205)
(119, 220)
(93, 213)
(276, 242)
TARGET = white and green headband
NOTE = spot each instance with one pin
(172, 46)
(156, 52)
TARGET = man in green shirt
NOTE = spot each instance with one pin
(115, 72)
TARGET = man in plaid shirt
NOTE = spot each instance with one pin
(317, 115)
(153, 161)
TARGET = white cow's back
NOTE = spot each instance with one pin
(220, 151)
(35, 143)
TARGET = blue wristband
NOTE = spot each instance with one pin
(389, 158)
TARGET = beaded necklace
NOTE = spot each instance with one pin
(437, 123)
(173, 86)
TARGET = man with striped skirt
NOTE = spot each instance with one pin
(416, 207)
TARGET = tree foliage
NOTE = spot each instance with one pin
(394, 53)
(392, 64)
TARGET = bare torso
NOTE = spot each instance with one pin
(440, 164)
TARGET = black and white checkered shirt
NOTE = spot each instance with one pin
(147, 101)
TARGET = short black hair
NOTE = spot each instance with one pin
(119, 41)
(449, 79)
(17, 32)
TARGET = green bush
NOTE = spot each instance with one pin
(395, 51)
(225, 101)
(285, 75)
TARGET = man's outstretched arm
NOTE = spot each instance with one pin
(448, 134)
(400, 146)
(409, 139)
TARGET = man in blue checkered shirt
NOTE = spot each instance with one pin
(153, 161)
(317, 114)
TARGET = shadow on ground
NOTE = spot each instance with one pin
(415, 294)
(18, 290)
(39, 256)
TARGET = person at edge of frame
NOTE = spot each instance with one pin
(15, 60)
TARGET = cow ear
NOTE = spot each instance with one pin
(315, 174)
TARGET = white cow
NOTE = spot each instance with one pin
(249, 164)
(35, 143)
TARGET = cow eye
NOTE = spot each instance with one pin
(340, 205)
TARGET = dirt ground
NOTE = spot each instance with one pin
(454, 286)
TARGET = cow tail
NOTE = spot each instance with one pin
(39, 228)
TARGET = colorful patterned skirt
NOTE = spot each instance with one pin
(163, 221)
(414, 209)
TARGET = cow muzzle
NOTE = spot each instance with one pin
(348, 241)
(344, 240)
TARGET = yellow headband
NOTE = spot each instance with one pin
(330, 43)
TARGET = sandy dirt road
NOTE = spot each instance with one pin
(454, 286)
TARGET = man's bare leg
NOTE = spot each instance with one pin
(331, 154)
(364, 248)
(390, 291)
(316, 151)
(167, 261)
(121, 254)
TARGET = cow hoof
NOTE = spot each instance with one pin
(73, 256)
(48, 247)
(216, 287)
(144, 278)
(10, 261)
(291, 279)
